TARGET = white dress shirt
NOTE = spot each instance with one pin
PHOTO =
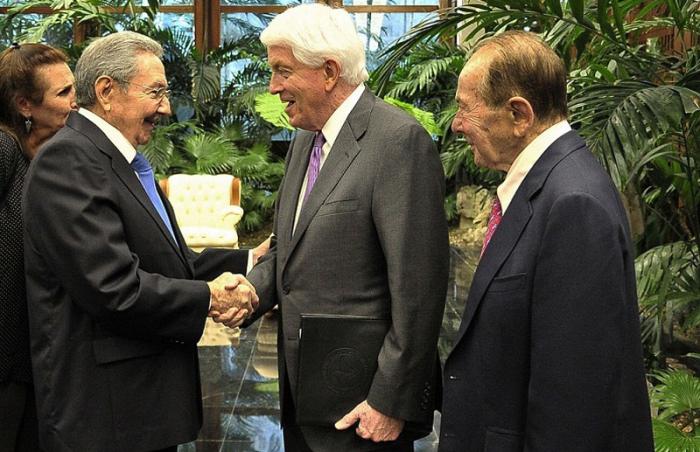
(524, 162)
(330, 131)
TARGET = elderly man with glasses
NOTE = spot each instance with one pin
(117, 302)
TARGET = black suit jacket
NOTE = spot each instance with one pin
(371, 240)
(548, 356)
(115, 304)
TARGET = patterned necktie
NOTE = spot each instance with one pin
(314, 163)
(145, 174)
(494, 220)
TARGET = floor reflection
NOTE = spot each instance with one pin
(239, 376)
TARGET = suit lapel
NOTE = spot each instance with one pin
(344, 150)
(294, 177)
(126, 174)
(513, 223)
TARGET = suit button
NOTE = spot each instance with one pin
(453, 377)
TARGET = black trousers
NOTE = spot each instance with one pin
(19, 429)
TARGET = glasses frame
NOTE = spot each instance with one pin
(154, 93)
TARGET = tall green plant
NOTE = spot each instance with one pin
(213, 129)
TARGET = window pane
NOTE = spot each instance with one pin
(264, 2)
(389, 2)
(379, 30)
(163, 2)
(178, 22)
(234, 27)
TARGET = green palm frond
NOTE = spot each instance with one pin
(421, 77)
(667, 287)
(65, 12)
(271, 109)
(625, 121)
(424, 118)
(160, 149)
(667, 438)
(211, 152)
(666, 272)
(206, 82)
(252, 165)
(677, 393)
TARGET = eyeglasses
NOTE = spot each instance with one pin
(154, 93)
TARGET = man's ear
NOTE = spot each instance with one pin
(331, 73)
(522, 115)
(104, 90)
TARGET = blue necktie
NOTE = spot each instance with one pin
(145, 173)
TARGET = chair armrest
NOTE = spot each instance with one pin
(164, 186)
(230, 216)
(236, 192)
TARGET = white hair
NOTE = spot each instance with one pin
(316, 32)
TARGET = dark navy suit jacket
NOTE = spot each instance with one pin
(548, 356)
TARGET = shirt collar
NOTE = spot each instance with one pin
(331, 129)
(113, 134)
(524, 162)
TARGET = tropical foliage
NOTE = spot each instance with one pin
(214, 128)
(677, 423)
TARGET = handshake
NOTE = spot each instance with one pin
(233, 299)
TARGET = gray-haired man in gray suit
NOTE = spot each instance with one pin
(360, 230)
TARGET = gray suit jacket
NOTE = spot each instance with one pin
(370, 240)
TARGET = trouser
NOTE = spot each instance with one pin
(19, 430)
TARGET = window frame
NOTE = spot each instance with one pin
(207, 16)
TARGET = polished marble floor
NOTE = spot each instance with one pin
(239, 376)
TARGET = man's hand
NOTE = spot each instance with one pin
(372, 424)
(233, 298)
(261, 250)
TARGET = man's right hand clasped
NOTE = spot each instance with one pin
(233, 299)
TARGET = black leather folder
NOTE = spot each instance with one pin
(337, 362)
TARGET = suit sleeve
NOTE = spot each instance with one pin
(580, 308)
(212, 262)
(407, 208)
(264, 275)
(74, 223)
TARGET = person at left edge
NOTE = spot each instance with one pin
(36, 92)
(117, 302)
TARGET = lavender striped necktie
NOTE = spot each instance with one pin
(314, 163)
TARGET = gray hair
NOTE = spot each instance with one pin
(317, 32)
(114, 56)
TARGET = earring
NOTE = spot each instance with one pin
(28, 124)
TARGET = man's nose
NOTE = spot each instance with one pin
(456, 125)
(275, 86)
(164, 107)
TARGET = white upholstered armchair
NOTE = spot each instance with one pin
(207, 208)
